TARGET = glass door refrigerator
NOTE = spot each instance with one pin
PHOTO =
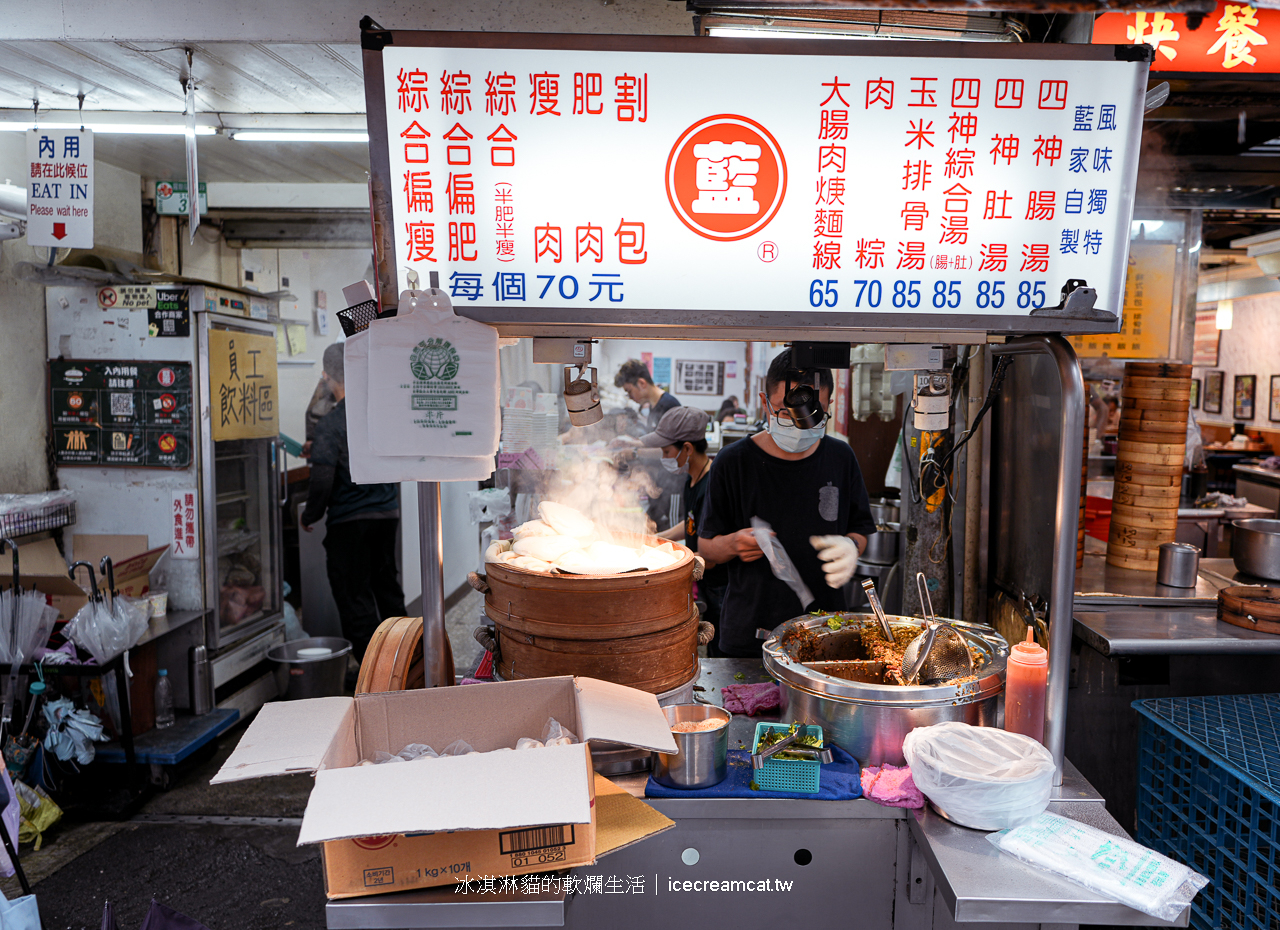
(242, 481)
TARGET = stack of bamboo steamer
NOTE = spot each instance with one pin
(1154, 405)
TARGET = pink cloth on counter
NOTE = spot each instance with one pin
(750, 700)
(891, 786)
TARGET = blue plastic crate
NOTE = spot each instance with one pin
(1209, 797)
(798, 775)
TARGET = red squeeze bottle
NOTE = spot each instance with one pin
(1024, 689)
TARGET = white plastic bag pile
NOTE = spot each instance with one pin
(34, 620)
(982, 777)
(554, 733)
(1113, 866)
(568, 540)
(106, 630)
(422, 395)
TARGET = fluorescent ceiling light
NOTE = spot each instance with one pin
(301, 135)
(142, 129)
(734, 32)
(1224, 315)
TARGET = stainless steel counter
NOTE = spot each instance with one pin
(1104, 586)
(894, 869)
(980, 884)
(1266, 475)
(898, 870)
(1150, 631)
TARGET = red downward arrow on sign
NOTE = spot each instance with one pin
(59, 230)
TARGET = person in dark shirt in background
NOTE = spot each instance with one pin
(634, 378)
(362, 524)
(809, 489)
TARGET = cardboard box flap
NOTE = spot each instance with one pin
(622, 715)
(623, 820)
(499, 790)
(58, 585)
(140, 564)
(91, 547)
(38, 558)
(288, 737)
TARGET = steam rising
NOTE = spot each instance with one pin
(610, 495)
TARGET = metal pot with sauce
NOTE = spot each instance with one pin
(827, 677)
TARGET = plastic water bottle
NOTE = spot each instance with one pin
(164, 700)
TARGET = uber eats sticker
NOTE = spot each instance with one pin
(435, 364)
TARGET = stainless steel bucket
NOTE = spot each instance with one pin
(308, 668)
(870, 719)
(1178, 566)
(703, 759)
(882, 546)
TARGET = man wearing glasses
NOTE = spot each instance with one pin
(809, 489)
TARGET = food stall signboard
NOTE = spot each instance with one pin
(127, 414)
(1234, 39)
(1148, 307)
(59, 169)
(700, 181)
(243, 385)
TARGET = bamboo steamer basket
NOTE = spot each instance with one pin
(1131, 414)
(638, 629)
(1155, 398)
(1251, 607)
(393, 660)
(1157, 370)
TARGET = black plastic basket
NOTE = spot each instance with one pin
(356, 319)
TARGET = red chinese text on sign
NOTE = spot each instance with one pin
(965, 92)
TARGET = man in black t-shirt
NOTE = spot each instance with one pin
(634, 378)
(809, 489)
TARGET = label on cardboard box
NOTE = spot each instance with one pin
(379, 864)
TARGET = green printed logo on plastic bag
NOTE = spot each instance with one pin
(434, 359)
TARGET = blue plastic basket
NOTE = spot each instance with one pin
(1209, 797)
(797, 775)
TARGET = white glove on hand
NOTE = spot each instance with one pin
(840, 553)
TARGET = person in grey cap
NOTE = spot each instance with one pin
(682, 436)
(362, 524)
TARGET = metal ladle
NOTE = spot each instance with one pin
(952, 659)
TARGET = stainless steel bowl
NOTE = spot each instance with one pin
(870, 718)
(703, 757)
(1255, 547)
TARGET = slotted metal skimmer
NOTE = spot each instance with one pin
(939, 653)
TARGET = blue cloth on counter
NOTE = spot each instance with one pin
(840, 780)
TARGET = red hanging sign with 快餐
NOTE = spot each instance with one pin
(1233, 39)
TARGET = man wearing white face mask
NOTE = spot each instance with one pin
(682, 436)
(809, 489)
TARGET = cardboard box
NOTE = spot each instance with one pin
(442, 821)
(130, 564)
(43, 569)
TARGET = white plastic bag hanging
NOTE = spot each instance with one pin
(982, 777)
(367, 466)
(433, 381)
